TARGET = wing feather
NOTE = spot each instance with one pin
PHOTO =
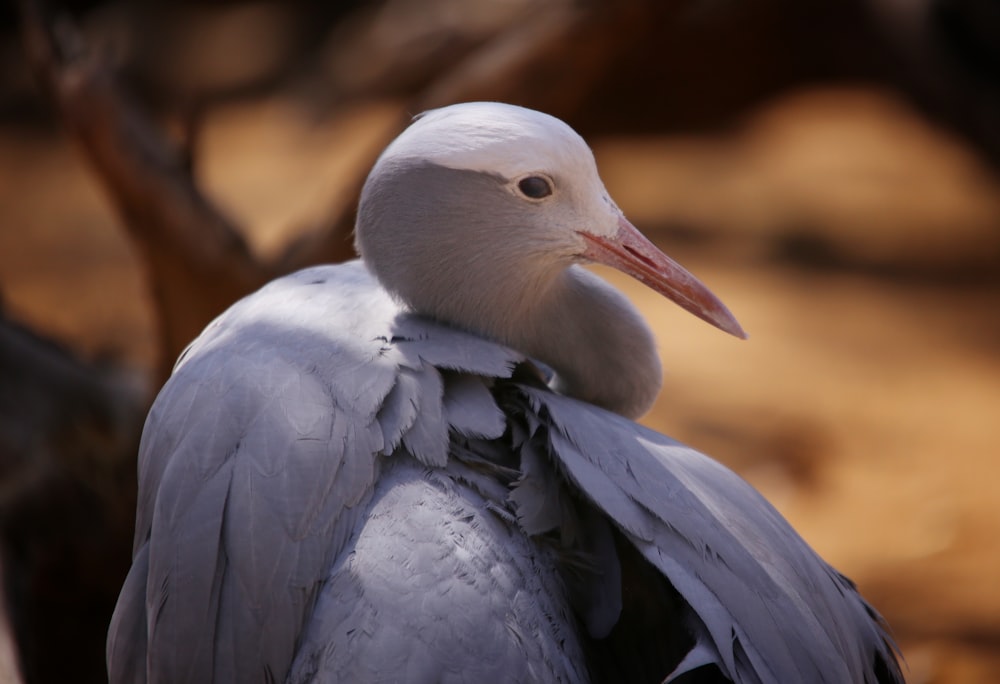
(470, 408)
(260, 453)
(773, 609)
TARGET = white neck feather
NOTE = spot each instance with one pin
(593, 338)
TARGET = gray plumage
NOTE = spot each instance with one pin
(359, 473)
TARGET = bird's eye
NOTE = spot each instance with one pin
(534, 187)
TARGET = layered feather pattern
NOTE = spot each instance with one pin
(273, 461)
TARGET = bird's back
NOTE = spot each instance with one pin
(301, 515)
(332, 489)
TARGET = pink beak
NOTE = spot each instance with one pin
(630, 252)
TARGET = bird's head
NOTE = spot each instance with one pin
(483, 198)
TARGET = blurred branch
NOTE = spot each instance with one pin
(198, 262)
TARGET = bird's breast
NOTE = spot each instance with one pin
(435, 586)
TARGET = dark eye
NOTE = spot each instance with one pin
(534, 187)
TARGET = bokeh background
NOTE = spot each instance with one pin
(829, 168)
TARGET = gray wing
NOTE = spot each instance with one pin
(259, 453)
(767, 607)
(264, 446)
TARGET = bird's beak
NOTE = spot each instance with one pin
(629, 251)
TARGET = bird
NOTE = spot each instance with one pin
(423, 465)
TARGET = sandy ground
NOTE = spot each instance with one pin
(864, 406)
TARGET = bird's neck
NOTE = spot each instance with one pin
(591, 336)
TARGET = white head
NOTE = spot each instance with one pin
(483, 202)
(522, 152)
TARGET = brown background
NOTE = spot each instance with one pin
(829, 171)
